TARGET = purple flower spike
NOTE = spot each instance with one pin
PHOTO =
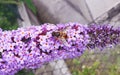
(102, 36)
(33, 46)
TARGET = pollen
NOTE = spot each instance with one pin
(22, 32)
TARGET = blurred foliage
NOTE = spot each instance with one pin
(87, 70)
(9, 13)
(9, 2)
(8, 20)
(97, 64)
(25, 72)
(75, 61)
(30, 5)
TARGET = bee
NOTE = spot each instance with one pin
(59, 34)
(62, 36)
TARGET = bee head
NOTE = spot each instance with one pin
(55, 34)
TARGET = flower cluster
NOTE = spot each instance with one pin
(102, 36)
(33, 46)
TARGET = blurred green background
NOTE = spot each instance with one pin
(106, 62)
(9, 13)
(8, 20)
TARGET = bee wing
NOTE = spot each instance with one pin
(65, 42)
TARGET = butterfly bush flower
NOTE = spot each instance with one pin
(33, 46)
(102, 36)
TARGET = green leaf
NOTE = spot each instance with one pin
(75, 61)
